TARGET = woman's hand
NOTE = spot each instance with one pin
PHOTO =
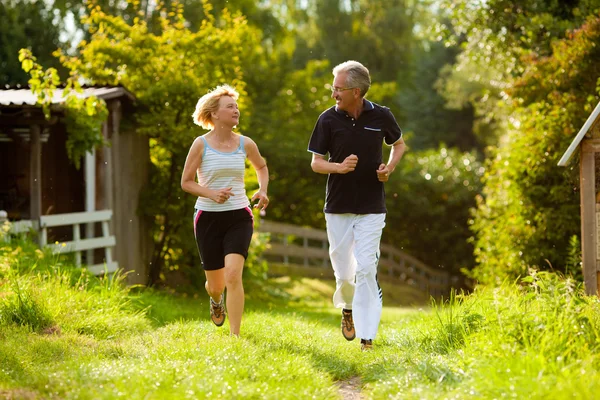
(221, 195)
(263, 200)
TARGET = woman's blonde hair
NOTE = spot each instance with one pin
(209, 103)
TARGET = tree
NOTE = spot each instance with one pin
(495, 36)
(531, 205)
(167, 72)
(425, 113)
(26, 24)
(428, 201)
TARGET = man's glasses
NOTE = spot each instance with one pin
(340, 89)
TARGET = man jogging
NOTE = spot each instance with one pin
(352, 133)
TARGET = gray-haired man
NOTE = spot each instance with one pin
(352, 132)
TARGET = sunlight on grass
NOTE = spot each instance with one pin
(80, 337)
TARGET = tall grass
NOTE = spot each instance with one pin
(23, 308)
(41, 291)
(66, 334)
(539, 339)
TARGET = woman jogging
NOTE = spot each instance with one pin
(223, 221)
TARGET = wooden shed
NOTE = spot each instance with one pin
(587, 143)
(38, 180)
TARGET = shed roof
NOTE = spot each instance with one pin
(24, 96)
(564, 160)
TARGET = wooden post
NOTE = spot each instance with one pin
(588, 218)
(107, 250)
(35, 177)
(107, 171)
(76, 239)
(285, 242)
(305, 245)
(598, 246)
(90, 197)
(115, 180)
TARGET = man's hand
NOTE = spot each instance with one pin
(221, 195)
(383, 173)
(348, 165)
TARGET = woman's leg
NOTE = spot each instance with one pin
(215, 283)
(234, 266)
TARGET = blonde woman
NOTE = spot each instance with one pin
(223, 222)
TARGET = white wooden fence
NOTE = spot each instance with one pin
(77, 245)
(304, 251)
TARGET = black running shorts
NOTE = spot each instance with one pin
(219, 233)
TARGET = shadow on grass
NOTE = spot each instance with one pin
(283, 296)
(371, 366)
(332, 364)
(278, 299)
(165, 307)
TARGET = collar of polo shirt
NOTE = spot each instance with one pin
(367, 106)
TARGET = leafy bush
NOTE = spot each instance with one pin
(530, 204)
(428, 201)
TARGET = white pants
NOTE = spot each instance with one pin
(354, 251)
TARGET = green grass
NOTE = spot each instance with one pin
(79, 337)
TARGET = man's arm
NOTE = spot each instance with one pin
(396, 154)
(321, 166)
(384, 171)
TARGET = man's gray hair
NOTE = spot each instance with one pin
(357, 75)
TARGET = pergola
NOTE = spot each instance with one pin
(588, 143)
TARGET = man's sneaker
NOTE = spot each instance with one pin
(348, 325)
(217, 312)
(366, 344)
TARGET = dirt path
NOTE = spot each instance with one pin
(350, 389)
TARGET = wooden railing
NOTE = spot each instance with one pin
(77, 245)
(297, 250)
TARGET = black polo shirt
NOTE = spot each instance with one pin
(339, 134)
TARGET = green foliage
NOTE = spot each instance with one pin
(404, 75)
(255, 267)
(428, 201)
(84, 119)
(84, 116)
(167, 71)
(29, 24)
(424, 113)
(530, 203)
(377, 33)
(291, 115)
(494, 37)
(280, 57)
(42, 83)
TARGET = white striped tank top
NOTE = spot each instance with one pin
(220, 170)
